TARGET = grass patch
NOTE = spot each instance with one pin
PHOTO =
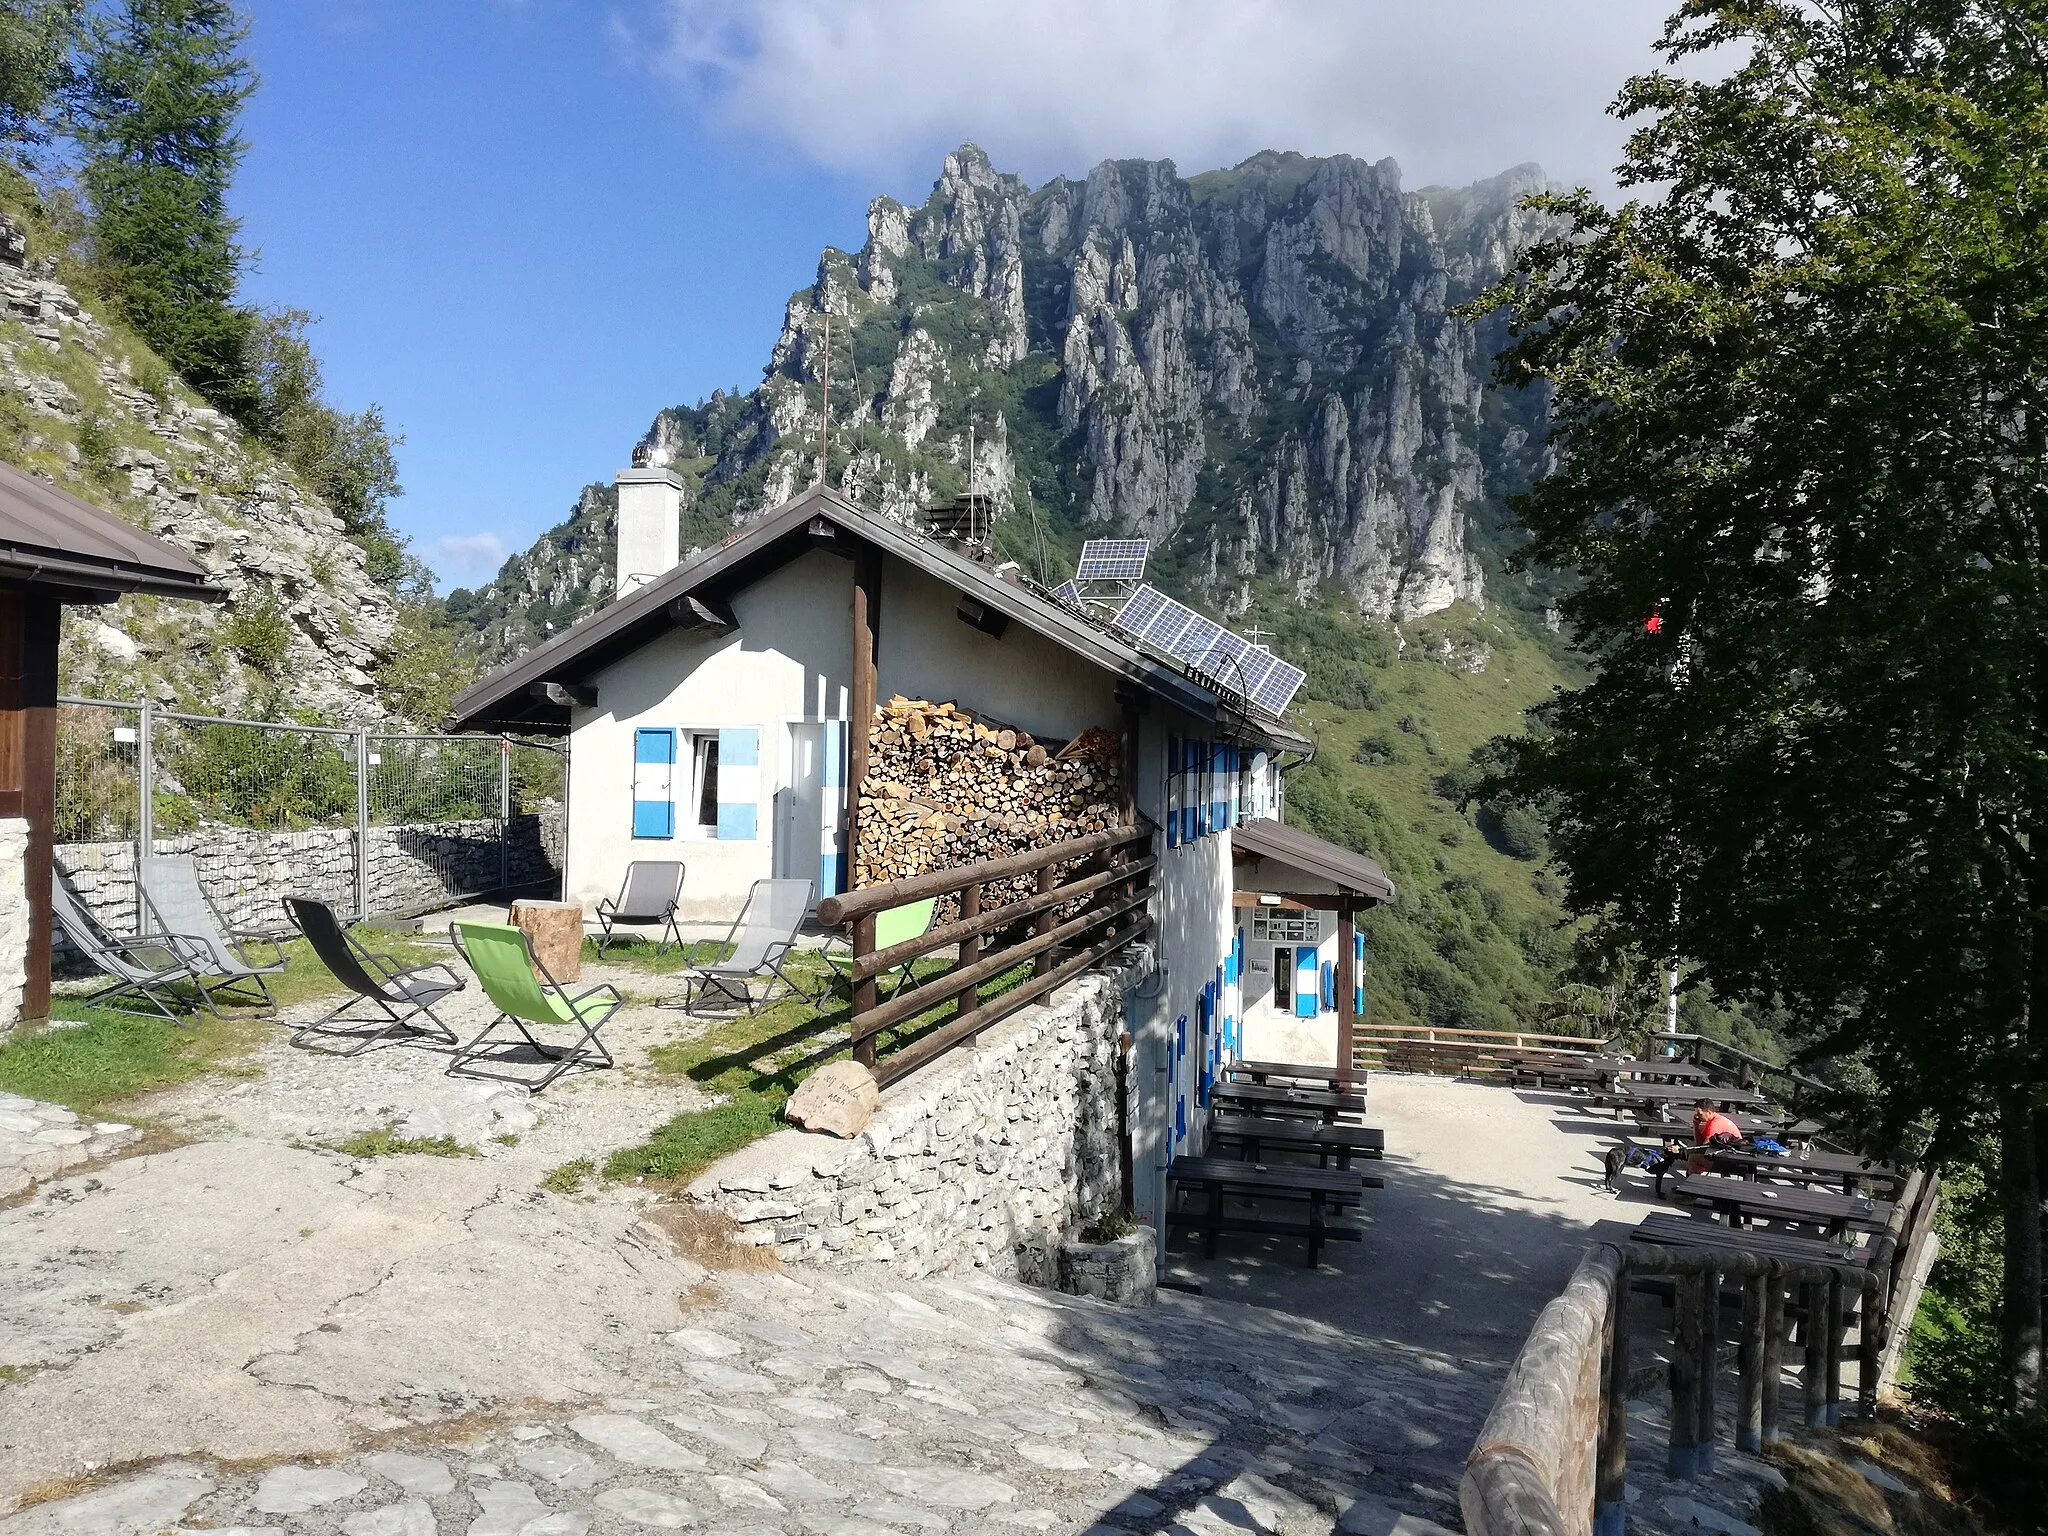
(92, 1059)
(386, 1142)
(570, 1177)
(754, 1064)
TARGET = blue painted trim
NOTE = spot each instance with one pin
(739, 746)
(736, 821)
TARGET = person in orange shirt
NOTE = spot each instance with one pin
(1711, 1128)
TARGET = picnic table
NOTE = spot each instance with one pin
(1843, 1168)
(1659, 1069)
(1331, 1078)
(1258, 1133)
(1327, 1191)
(1664, 1095)
(1744, 1201)
(1666, 1230)
(1299, 1103)
(1780, 1127)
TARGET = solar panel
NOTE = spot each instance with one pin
(1204, 646)
(1068, 594)
(1112, 560)
(1276, 689)
(1140, 608)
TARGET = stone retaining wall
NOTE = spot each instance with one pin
(983, 1160)
(247, 872)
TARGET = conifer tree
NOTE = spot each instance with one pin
(163, 84)
(35, 49)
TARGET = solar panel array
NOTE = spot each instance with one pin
(1112, 560)
(1203, 645)
(1067, 594)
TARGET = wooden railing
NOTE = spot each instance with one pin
(1462, 1052)
(1552, 1457)
(1733, 1060)
(1090, 899)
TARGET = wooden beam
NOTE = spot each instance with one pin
(565, 694)
(1347, 996)
(867, 647)
(1281, 904)
(42, 621)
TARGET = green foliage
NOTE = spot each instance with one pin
(95, 441)
(261, 632)
(349, 461)
(570, 1176)
(95, 1059)
(164, 82)
(1800, 408)
(426, 666)
(35, 51)
(385, 1141)
(259, 778)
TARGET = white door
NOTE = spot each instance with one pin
(798, 829)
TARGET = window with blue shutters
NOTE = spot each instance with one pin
(654, 782)
(739, 783)
(1307, 987)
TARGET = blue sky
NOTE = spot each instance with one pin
(527, 225)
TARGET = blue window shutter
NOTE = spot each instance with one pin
(739, 783)
(1358, 972)
(1305, 983)
(1329, 986)
(654, 802)
(832, 811)
(1172, 791)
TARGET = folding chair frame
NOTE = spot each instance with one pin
(397, 1020)
(739, 989)
(586, 1051)
(607, 915)
(145, 987)
(230, 987)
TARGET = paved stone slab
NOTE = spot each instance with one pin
(422, 1475)
(136, 1504)
(294, 1490)
(636, 1443)
(411, 1517)
(647, 1506)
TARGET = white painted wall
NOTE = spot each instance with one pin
(13, 917)
(1274, 1034)
(789, 660)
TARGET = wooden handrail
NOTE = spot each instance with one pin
(908, 1004)
(994, 918)
(836, 911)
(1373, 1031)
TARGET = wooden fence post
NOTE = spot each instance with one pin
(1685, 1365)
(1610, 1485)
(861, 998)
(1749, 1418)
(1813, 1331)
(1773, 1372)
(1046, 921)
(1837, 1330)
(1709, 1376)
(970, 950)
(1870, 1332)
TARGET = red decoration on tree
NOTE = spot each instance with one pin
(1654, 624)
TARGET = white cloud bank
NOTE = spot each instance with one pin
(469, 554)
(1452, 89)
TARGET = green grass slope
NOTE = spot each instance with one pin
(1476, 939)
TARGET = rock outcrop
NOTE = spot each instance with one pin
(89, 408)
(1261, 370)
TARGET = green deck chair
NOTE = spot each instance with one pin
(897, 925)
(514, 978)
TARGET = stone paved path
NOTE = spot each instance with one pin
(792, 1402)
(40, 1141)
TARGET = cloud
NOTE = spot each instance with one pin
(469, 554)
(1454, 90)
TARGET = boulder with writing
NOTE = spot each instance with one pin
(837, 1099)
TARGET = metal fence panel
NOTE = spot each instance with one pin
(378, 823)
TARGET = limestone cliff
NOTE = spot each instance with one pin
(84, 404)
(1259, 369)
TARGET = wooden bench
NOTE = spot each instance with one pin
(1291, 1074)
(1782, 1127)
(1255, 1134)
(1327, 1190)
(1289, 1103)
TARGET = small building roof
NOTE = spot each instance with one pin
(52, 541)
(511, 697)
(1282, 859)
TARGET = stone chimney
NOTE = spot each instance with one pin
(650, 522)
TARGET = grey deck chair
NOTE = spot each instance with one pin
(178, 904)
(760, 942)
(145, 970)
(400, 997)
(652, 889)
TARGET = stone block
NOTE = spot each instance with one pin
(838, 1099)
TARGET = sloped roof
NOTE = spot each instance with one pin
(79, 554)
(505, 699)
(1353, 873)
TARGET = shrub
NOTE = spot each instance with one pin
(1377, 750)
(263, 635)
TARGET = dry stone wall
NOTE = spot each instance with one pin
(985, 1159)
(413, 868)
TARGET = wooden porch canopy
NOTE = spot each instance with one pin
(55, 549)
(1272, 861)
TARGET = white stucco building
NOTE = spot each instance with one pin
(712, 712)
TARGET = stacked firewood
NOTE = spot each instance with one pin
(945, 788)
